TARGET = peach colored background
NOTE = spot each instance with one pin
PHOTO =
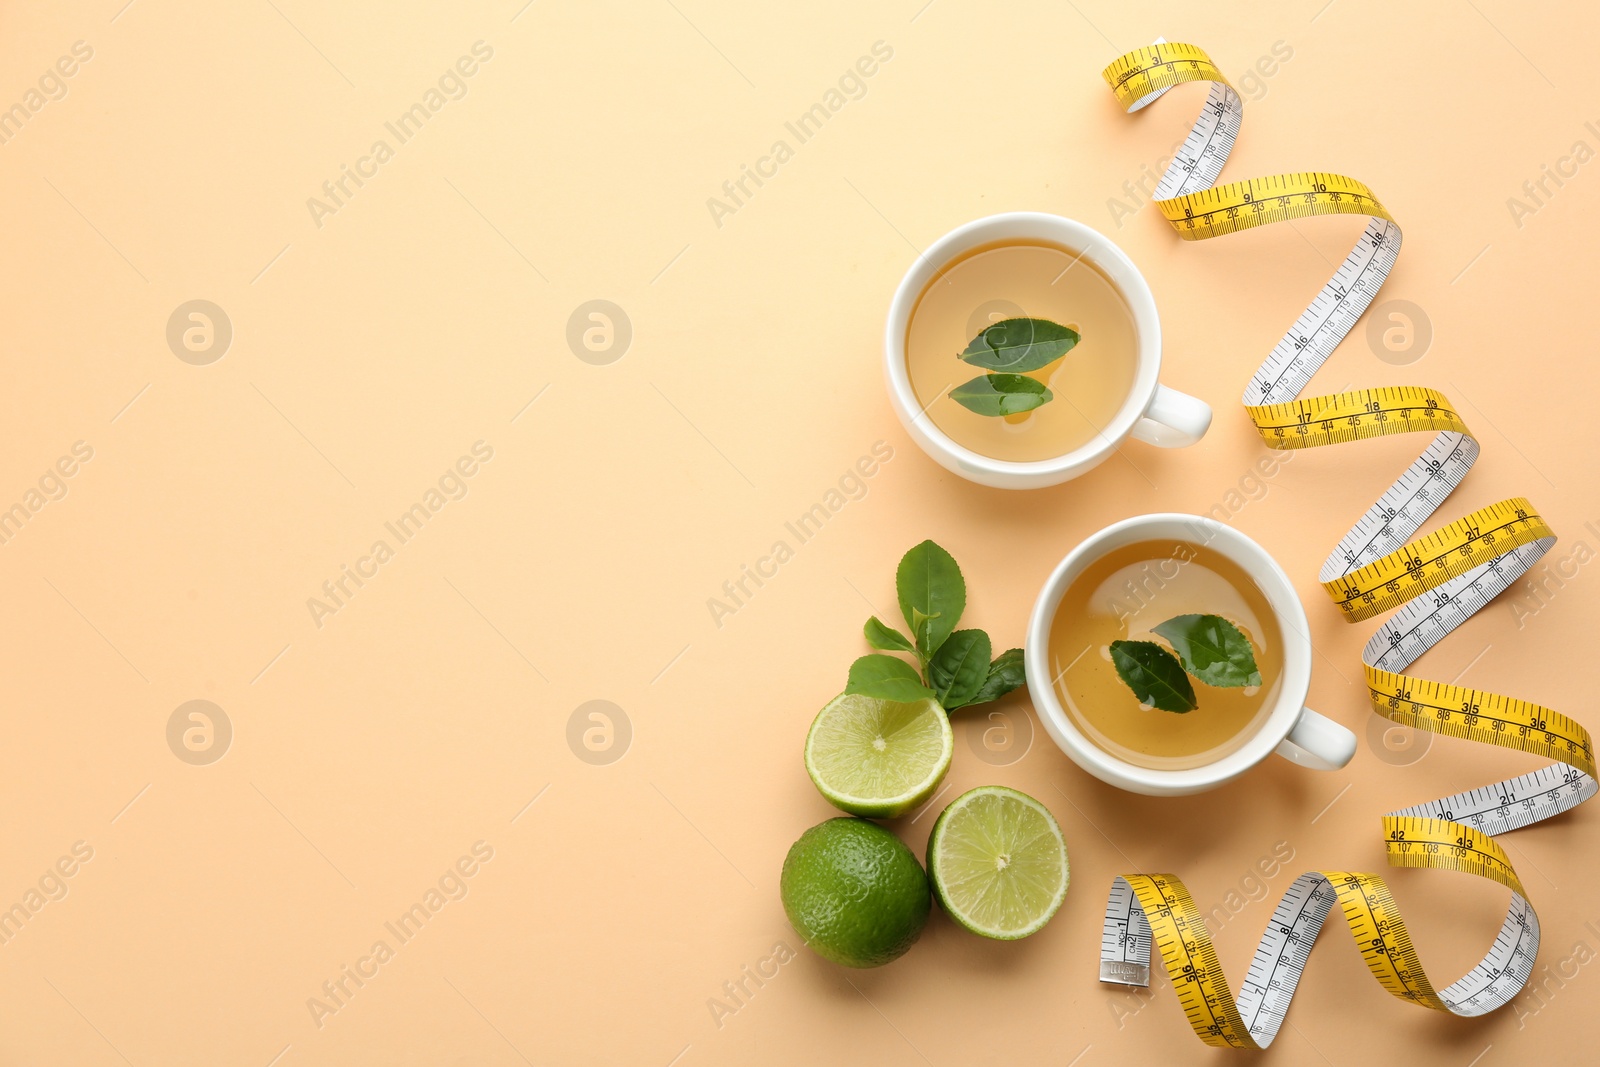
(369, 754)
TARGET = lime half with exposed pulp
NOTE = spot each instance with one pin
(878, 758)
(998, 862)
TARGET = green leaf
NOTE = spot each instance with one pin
(1001, 394)
(1005, 674)
(1018, 345)
(886, 678)
(886, 637)
(1154, 674)
(932, 595)
(1212, 649)
(959, 668)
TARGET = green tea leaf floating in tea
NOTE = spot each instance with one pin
(1018, 345)
(1002, 394)
(1212, 649)
(1154, 674)
(1007, 349)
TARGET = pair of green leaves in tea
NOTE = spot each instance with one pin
(1209, 647)
(1007, 350)
(953, 666)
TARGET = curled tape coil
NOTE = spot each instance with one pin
(1433, 583)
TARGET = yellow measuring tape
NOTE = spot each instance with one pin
(1436, 582)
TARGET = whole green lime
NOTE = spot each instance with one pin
(854, 892)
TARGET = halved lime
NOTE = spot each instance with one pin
(998, 862)
(878, 758)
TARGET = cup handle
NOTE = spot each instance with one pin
(1173, 419)
(1318, 742)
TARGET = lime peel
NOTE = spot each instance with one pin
(854, 892)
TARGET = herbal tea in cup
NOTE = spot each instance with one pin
(1165, 654)
(1021, 349)
(1168, 654)
(1056, 337)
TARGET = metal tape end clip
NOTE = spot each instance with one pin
(1123, 973)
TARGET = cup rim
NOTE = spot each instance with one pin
(1070, 234)
(1281, 597)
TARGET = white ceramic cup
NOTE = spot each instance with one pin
(1152, 412)
(1290, 729)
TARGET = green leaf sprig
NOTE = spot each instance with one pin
(1209, 647)
(953, 666)
(1008, 349)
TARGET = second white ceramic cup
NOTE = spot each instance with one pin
(1290, 729)
(1152, 412)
